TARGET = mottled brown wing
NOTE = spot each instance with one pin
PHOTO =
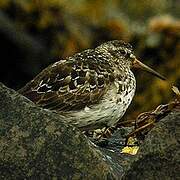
(68, 85)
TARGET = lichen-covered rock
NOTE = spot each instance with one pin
(37, 144)
(159, 156)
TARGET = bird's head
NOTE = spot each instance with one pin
(122, 54)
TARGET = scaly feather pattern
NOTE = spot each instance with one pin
(92, 88)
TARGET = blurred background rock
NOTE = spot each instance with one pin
(36, 33)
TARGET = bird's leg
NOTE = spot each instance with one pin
(108, 132)
(105, 132)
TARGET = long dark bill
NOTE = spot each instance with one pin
(139, 64)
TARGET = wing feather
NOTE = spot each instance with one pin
(70, 84)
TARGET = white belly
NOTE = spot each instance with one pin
(108, 112)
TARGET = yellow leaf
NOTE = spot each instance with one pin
(130, 150)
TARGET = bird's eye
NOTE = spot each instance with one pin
(122, 51)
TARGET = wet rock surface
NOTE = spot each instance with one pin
(37, 143)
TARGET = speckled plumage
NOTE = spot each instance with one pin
(92, 89)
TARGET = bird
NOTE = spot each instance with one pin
(91, 89)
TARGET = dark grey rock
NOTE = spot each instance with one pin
(159, 156)
(37, 144)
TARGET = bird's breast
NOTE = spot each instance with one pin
(120, 95)
(110, 109)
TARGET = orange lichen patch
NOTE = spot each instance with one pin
(164, 23)
(118, 28)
